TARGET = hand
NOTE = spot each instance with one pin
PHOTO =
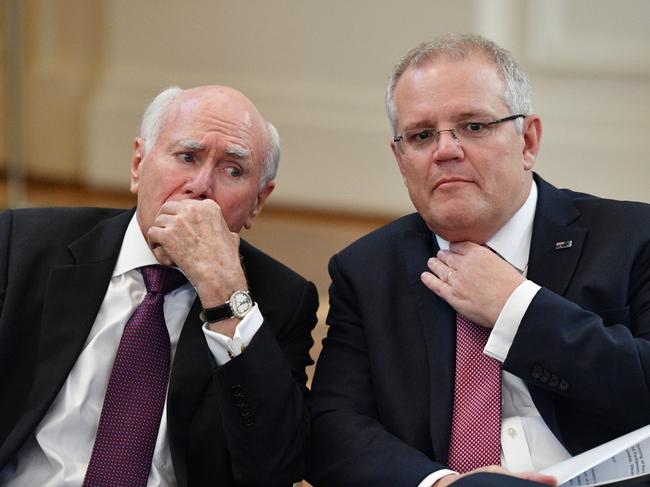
(473, 280)
(193, 235)
(531, 476)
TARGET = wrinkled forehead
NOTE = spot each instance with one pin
(224, 110)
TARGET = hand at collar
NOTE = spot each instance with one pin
(473, 280)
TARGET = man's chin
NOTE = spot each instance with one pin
(455, 224)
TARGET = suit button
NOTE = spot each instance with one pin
(545, 376)
(239, 401)
(245, 412)
(536, 371)
(555, 380)
(248, 422)
(236, 390)
(564, 385)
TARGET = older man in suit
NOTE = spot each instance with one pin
(503, 327)
(89, 391)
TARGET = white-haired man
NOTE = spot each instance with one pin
(86, 396)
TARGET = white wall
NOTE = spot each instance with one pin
(317, 70)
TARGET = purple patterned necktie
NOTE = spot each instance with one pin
(476, 420)
(135, 396)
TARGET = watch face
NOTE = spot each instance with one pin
(240, 303)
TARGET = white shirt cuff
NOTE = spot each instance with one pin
(431, 479)
(224, 347)
(503, 333)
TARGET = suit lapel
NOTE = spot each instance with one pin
(73, 295)
(554, 254)
(437, 320)
(556, 247)
(190, 376)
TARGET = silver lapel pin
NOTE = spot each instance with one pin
(565, 244)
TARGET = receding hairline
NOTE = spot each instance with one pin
(458, 48)
(252, 116)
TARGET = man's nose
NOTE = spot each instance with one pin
(448, 146)
(200, 184)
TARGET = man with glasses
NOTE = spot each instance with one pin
(500, 329)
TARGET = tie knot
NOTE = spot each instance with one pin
(162, 279)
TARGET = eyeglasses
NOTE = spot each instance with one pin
(420, 139)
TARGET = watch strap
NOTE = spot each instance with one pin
(218, 313)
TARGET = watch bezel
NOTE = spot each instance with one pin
(248, 300)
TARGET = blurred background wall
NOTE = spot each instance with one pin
(317, 70)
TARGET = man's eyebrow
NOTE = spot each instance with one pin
(469, 114)
(238, 151)
(190, 144)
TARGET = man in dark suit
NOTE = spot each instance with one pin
(239, 327)
(557, 283)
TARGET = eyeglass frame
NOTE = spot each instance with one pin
(400, 137)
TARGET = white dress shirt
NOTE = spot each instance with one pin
(57, 455)
(527, 444)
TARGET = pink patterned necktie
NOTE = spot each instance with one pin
(476, 420)
(135, 396)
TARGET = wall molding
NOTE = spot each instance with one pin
(560, 39)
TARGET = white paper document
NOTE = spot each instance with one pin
(613, 463)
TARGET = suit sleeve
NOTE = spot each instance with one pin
(596, 364)
(350, 445)
(262, 399)
(6, 351)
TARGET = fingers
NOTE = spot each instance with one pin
(496, 469)
(463, 248)
(162, 256)
(163, 220)
(189, 207)
(439, 268)
(538, 477)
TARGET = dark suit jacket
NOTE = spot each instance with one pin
(382, 396)
(55, 265)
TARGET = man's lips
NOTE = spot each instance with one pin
(449, 181)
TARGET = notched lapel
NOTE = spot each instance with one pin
(70, 306)
(552, 260)
(192, 367)
(438, 320)
(190, 376)
(74, 292)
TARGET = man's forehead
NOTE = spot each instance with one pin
(460, 71)
(222, 101)
(449, 90)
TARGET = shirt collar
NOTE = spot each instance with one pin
(512, 241)
(135, 252)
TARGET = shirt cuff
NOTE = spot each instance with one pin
(223, 348)
(505, 329)
(431, 479)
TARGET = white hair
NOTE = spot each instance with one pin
(154, 117)
(517, 93)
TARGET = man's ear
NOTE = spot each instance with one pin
(532, 139)
(259, 203)
(398, 158)
(138, 156)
